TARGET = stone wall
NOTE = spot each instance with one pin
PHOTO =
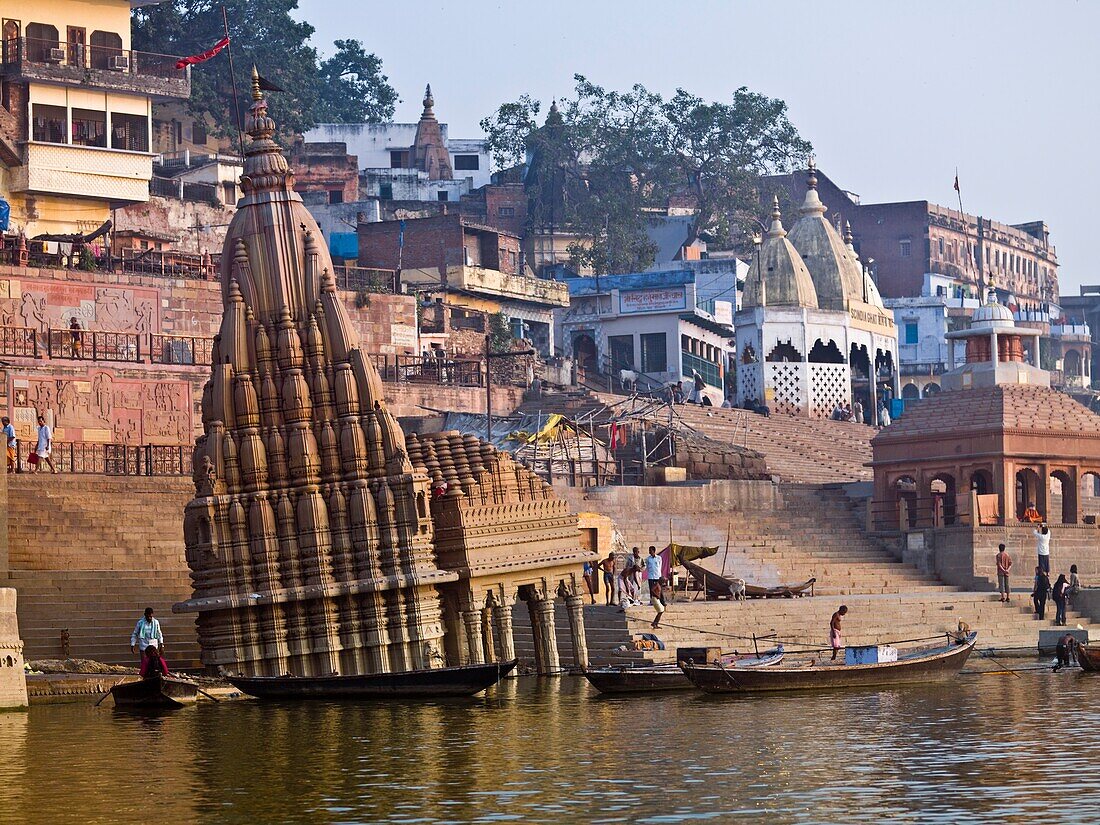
(194, 226)
(964, 556)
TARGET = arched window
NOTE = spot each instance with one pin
(105, 46)
(910, 392)
(931, 389)
(41, 41)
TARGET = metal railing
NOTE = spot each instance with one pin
(169, 264)
(365, 279)
(18, 342)
(710, 371)
(185, 350)
(429, 369)
(94, 345)
(86, 457)
(21, 50)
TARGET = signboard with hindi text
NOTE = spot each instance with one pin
(664, 299)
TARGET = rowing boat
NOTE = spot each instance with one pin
(921, 666)
(660, 677)
(465, 680)
(1089, 658)
(155, 692)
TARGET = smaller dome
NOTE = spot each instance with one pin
(778, 276)
(992, 311)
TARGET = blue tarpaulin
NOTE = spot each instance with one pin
(343, 245)
(5, 215)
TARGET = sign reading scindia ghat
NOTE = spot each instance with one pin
(652, 300)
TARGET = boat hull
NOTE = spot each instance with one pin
(1089, 658)
(417, 684)
(663, 677)
(933, 667)
(155, 692)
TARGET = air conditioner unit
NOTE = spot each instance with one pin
(120, 63)
(56, 55)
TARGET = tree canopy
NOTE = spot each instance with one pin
(606, 159)
(348, 87)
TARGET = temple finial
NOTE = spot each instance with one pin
(848, 233)
(429, 101)
(811, 168)
(257, 94)
(776, 230)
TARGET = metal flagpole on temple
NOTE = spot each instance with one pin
(233, 83)
(966, 227)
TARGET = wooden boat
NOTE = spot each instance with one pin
(1089, 658)
(720, 587)
(649, 678)
(414, 684)
(155, 692)
(921, 666)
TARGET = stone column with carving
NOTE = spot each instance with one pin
(545, 635)
(575, 605)
(502, 618)
(471, 619)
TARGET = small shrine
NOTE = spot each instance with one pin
(997, 443)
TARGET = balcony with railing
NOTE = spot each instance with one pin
(1081, 332)
(104, 67)
(366, 279)
(711, 372)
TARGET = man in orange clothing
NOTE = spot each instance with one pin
(1031, 514)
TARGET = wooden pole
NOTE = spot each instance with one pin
(729, 527)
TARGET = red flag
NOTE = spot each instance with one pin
(202, 58)
(957, 183)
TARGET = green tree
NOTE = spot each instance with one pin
(346, 87)
(605, 159)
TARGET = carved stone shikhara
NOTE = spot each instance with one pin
(312, 539)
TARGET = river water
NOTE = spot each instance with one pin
(985, 748)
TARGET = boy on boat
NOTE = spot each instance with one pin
(835, 640)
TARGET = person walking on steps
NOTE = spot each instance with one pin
(653, 571)
(1039, 594)
(1004, 565)
(44, 448)
(836, 641)
(1060, 594)
(1042, 546)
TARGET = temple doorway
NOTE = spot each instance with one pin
(1027, 491)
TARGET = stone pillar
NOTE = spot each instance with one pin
(547, 662)
(502, 617)
(487, 634)
(575, 606)
(472, 620)
(13, 680)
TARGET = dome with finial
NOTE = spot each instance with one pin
(778, 276)
(837, 275)
(992, 311)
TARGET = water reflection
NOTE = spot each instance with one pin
(980, 749)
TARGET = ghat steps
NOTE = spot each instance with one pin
(88, 553)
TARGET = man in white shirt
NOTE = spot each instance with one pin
(146, 631)
(654, 570)
(44, 447)
(1042, 546)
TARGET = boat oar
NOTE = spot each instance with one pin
(108, 693)
(1001, 665)
(207, 695)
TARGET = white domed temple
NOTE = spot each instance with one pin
(812, 332)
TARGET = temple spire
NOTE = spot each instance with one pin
(812, 205)
(776, 230)
(429, 102)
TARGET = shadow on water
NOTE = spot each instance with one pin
(979, 749)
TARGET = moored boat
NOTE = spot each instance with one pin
(921, 666)
(155, 692)
(465, 680)
(1089, 658)
(649, 678)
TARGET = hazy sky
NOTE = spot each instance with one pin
(892, 95)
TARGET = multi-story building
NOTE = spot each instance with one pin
(649, 324)
(76, 113)
(468, 265)
(411, 161)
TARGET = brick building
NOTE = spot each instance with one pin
(911, 239)
(470, 265)
(325, 167)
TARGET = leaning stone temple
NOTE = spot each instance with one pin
(320, 540)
